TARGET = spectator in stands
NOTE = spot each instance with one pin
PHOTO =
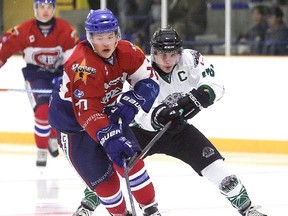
(251, 43)
(193, 14)
(136, 21)
(276, 37)
(188, 17)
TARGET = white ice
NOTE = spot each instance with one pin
(57, 190)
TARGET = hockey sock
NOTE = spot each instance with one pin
(235, 192)
(91, 197)
(41, 126)
(140, 182)
(111, 196)
(229, 185)
(53, 133)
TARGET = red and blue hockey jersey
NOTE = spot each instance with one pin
(92, 84)
(39, 49)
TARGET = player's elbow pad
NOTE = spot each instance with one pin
(149, 90)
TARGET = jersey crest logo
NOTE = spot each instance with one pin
(172, 99)
(82, 71)
(46, 58)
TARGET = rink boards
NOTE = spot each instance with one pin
(226, 145)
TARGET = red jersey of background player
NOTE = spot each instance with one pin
(40, 48)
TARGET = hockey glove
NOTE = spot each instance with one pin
(57, 81)
(162, 114)
(116, 145)
(194, 101)
(126, 109)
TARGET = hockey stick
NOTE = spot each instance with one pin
(39, 91)
(126, 176)
(129, 188)
(136, 157)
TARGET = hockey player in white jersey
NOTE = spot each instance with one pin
(188, 83)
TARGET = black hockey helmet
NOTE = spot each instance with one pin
(166, 40)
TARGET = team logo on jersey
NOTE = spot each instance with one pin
(82, 71)
(117, 85)
(31, 38)
(14, 31)
(198, 58)
(172, 99)
(78, 93)
(207, 152)
(46, 58)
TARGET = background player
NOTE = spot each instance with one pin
(188, 82)
(45, 43)
(96, 144)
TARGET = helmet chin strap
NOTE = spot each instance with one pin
(116, 43)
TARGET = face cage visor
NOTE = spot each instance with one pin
(36, 5)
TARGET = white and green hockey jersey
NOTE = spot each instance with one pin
(192, 71)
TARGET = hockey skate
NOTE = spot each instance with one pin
(83, 211)
(53, 147)
(86, 208)
(151, 210)
(252, 211)
(41, 158)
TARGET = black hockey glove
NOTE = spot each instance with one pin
(162, 114)
(194, 101)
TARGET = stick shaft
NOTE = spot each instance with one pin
(39, 91)
(136, 157)
(126, 176)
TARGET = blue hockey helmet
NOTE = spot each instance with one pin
(36, 2)
(101, 21)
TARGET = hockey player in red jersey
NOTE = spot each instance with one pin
(45, 43)
(188, 83)
(91, 113)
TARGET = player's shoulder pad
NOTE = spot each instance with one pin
(66, 27)
(196, 56)
(125, 45)
(80, 50)
(23, 27)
